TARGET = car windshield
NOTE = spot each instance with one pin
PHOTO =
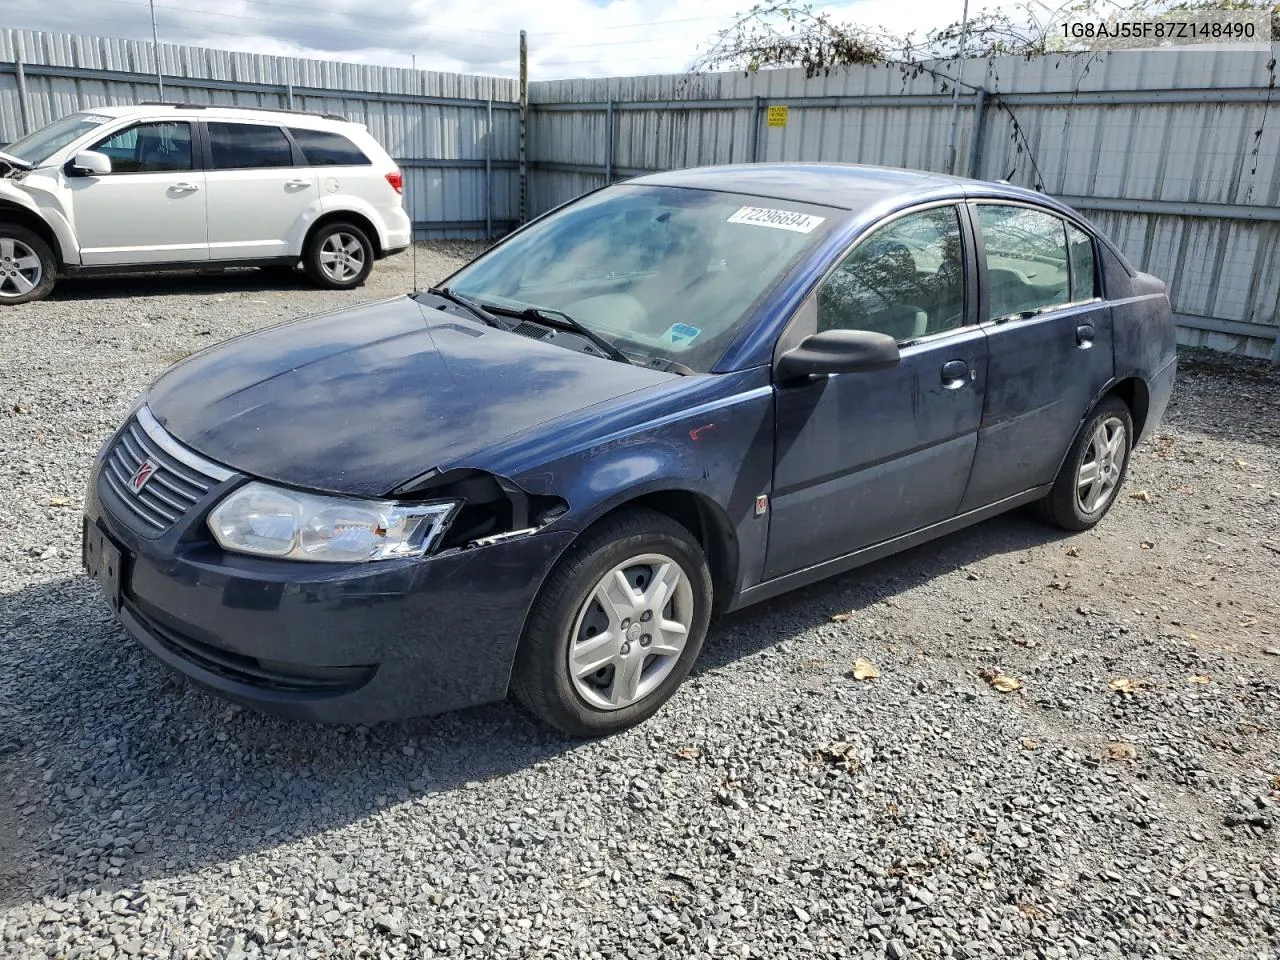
(662, 273)
(39, 146)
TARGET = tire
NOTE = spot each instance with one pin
(27, 265)
(353, 252)
(568, 622)
(1106, 438)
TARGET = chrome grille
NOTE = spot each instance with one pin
(180, 478)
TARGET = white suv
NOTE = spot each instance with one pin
(182, 186)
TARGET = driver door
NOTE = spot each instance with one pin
(151, 207)
(861, 458)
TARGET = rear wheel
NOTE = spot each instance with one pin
(1094, 469)
(616, 627)
(27, 266)
(339, 256)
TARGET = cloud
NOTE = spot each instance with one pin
(567, 38)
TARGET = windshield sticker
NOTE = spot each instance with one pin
(778, 219)
(94, 118)
(681, 334)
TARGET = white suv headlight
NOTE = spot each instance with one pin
(274, 522)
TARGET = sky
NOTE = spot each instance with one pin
(567, 38)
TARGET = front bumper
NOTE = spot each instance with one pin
(344, 643)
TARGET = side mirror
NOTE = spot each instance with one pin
(838, 351)
(90, 163)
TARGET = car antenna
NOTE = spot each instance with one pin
(413, 240)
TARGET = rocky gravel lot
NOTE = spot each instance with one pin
(1072, 747)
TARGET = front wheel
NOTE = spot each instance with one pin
(27, 266)
(1090, 477)
(617, 626)
(339, 256)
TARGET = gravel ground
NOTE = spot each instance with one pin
(1121, 802)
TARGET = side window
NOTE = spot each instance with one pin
(1083, 274)
(1027, 262)
(906, 279)
(242, 146)
(149, 148)
(323, 148)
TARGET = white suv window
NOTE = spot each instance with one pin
(149, 148)
(244, 146)
(39, 145)
(323, 148)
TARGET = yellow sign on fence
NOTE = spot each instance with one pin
(778, 116)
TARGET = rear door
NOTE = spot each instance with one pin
(151, 207)
(258, 191)
(864, 457)
(1049, 338)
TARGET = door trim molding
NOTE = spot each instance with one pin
(174, 266)
(877, 551)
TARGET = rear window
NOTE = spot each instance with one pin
(240, 146)
(323, 148)
(1027, 260)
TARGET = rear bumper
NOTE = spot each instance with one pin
(1159, 391)
(399, 232)
(344, 643)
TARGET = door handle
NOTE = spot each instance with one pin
(1084, 336)
(186, 187)
(955, 374)
(297, 183)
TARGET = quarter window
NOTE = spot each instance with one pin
(241, 146)
(1083, 282)
(149, 148)
(1027, 263)
(906, 279)
(323, 148)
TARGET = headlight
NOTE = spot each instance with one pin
(273, 522)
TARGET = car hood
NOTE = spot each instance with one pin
(16, 162)
(363, 400)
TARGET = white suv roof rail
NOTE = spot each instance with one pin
(235, 106)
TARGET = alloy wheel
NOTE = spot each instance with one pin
(630, 632)
(1101, 466)
(341, 257)
(20, 268)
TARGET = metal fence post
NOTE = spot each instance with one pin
(288, 91)
(608, 142)
(488, 170)
(24, 109)
(975, 142)
(755, 129)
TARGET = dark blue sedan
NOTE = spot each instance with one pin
(672, 397)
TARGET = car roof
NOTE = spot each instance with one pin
(847, 186)
(223, 112)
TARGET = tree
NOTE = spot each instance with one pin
(784, 34)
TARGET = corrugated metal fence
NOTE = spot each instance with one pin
(1176, 155)
(454, 136)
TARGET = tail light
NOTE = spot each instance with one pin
(397, 181)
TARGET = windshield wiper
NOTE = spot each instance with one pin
(470, 305)
(561, 319)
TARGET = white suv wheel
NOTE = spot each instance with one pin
(26, 265)
(338, 256)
